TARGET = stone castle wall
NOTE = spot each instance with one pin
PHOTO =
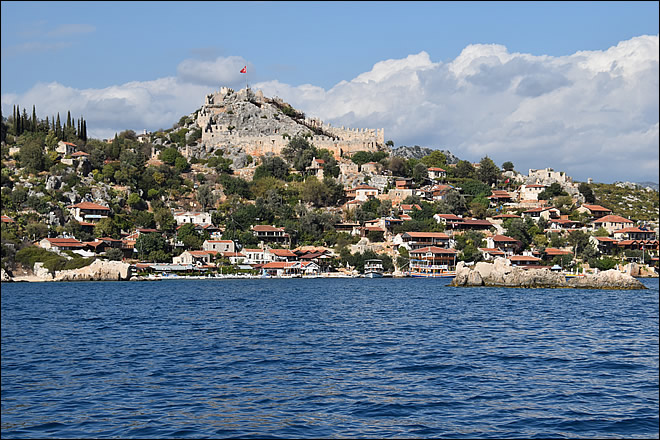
(247, 121)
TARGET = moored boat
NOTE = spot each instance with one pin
(373, 269)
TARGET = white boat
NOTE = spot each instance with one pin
(373, 269)
(424, 269)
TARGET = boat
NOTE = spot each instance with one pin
(423, 269)
(373, 269)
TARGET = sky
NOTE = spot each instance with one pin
(571, 86)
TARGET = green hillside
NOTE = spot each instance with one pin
(635, 203)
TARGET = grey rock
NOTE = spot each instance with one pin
(502, 274)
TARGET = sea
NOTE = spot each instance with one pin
(327, 358)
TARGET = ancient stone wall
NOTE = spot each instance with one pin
(249, 122)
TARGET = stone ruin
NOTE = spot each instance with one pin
(246, 122)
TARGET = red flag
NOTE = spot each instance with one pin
(244, 69)
(506, 181)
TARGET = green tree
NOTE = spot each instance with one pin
(399, 167)
(190, 238)
(31, 156)
(299, 152)
(205, 196)
(464, 169)
(553, 190)
(114, 254)
(420, 173)
(36, 231)
(436, 159)
(488, 172)
(148, 243)
(271, 166)
(475, 188)
(361, 157)
(507, 166)
(587, 192)
(519, 229)
(106, 227)
(169, 155)
(135, 201)
(164, 219)
(580, 242)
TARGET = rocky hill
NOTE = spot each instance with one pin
(417, 152)
(246, 121)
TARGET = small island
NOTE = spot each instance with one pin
(502, 274)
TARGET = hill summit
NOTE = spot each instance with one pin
(246, 121)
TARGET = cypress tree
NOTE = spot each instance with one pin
(25, 122)
(15, 121)
(68, 119)
(84, 133)
(34, 118)
(58, 127)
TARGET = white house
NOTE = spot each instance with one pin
(365, 192)
(65, 148)
(218, 245)
(198, 218)
(437, 173)
(530, 192)
(611, 223)
(193, 257)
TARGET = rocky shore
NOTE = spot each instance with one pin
(99, 270)
(502, 274)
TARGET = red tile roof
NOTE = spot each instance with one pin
(433, 250)
(266, 228)
(596, 208)
(90, 205)
(282, 252)
(555, 251)
(523, 258)
(427, 235)
(65, 242)
(612, 219)
(503, 238)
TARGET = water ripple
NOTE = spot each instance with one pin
(327, 358)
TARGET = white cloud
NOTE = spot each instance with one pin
(215, 73)
(65, 30)
(591, 114)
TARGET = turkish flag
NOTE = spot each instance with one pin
(244, 69)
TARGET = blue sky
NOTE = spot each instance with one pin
(477, 78)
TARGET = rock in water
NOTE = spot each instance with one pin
(502, 274)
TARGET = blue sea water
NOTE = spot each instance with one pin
(322, 358)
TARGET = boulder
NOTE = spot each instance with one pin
(4, 276)
(41, 272)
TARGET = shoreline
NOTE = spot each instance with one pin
(37, 279)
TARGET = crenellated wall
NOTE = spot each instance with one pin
(248, 121)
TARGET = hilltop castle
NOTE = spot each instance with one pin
(247, 121)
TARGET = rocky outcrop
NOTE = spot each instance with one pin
(97, 271)
(4, 276)
(502, 274)
(41, 272)
(609, 279)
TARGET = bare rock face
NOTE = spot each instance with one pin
(41, 272)
(609, 279)
(97, 271)
(4, 276)
(502, 274)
